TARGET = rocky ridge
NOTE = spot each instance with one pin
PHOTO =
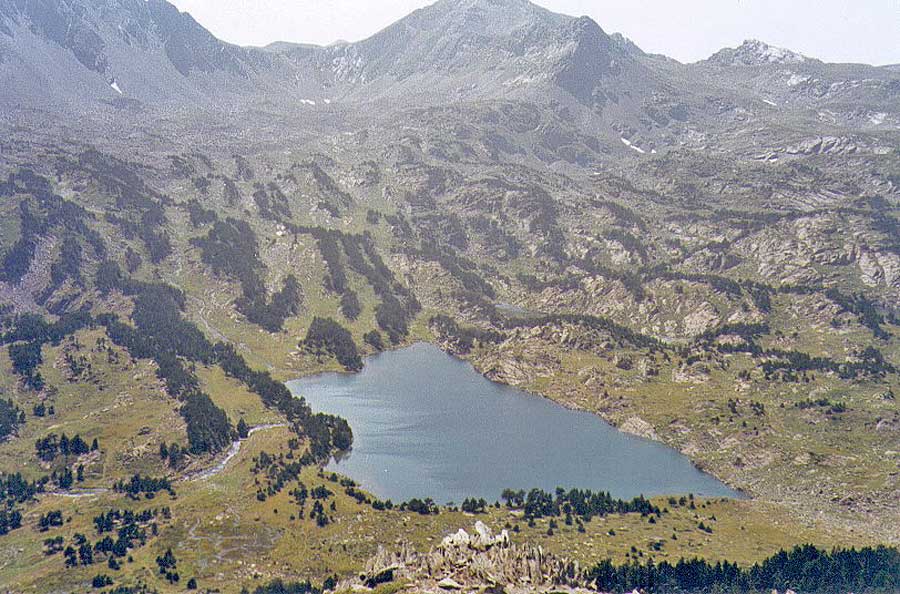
(477, 562)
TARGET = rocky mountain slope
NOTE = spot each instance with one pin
(84, 55)
(80, 54)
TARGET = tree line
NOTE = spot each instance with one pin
(11, 417)
(142, 208)
(161, 333)
(805, 568)
(47, 448)
(147, 486)
(618, 332)
(460, 268)
(30, 332)
(398, 305)
(40, 212)
(325, 336)
(14, 491)
(230, 248)
(583, 503)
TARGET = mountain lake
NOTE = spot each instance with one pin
(426, 424)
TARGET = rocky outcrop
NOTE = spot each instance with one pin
(879, 268)
(640, 427)
(519, 362)
(756, 53)
(482, 540)
(826, 145)
(473, 562)
(698, 373)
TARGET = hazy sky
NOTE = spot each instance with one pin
(688, 30)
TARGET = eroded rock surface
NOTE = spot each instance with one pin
(477, 562)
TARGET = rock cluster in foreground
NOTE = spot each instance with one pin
(478, 562)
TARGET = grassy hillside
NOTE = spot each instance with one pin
(163, 283)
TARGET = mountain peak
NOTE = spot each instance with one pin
(95, 31)
(525, 5)
(491, 17)
(450, 35)
(756, 53)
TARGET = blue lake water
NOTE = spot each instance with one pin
(428, 425)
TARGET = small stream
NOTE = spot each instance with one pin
(229, 455)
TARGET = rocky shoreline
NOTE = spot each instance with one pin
(808, 506)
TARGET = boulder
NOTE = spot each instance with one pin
(449, 584)
(460, 539)
(485, 539)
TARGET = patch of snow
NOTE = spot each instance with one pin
(518, 81)
(115, 87)
(308, 102)
(795, 80)
(876, 119)
(630, 145)
(772, 54)
(327, 101)
(769, 102)
(781, 56)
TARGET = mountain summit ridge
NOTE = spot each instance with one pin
(78, 55)
(753, 52)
